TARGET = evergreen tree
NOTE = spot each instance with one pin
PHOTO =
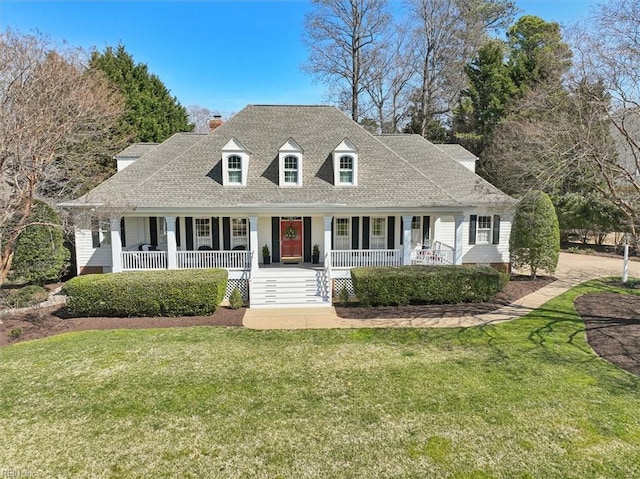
(152, 114)
(485, 102)
(40, 255)
(535, 234)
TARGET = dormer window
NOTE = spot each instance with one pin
(234, 170)
(291, 170)
(235, 163)
(345, 164)
(346, 169)
(290, 163)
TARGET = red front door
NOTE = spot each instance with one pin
(291, 240)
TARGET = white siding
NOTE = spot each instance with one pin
(317, 234)
(87, 255)
(488, 253)
(445, 230)
(134, 232)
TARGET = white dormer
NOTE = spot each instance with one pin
(290, 163)
(235, 163)
(345, 164)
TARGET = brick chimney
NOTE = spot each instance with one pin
(215, 122)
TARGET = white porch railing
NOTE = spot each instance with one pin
(437, 257)
(372, 257)
(143, 260)
(232, 260)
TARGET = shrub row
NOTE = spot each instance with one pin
(404, 285)
(147, 293)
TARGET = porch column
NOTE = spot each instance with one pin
(457, 254)
(327, 241)
(116, 245)
(253, 241)
(406, 239)
(172, 245)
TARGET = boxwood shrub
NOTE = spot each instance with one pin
(147, 293)
(404, 285)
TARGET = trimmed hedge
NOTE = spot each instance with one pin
(147, 293)
(404, 285)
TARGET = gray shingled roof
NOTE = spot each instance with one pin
(185, 171)
(136, 150)
(457, 152)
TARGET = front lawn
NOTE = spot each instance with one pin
(526, 399)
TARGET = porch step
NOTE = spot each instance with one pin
(289, 288)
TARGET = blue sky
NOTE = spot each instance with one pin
(218, 54)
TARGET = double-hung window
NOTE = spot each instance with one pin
(291, 171)
(202, 232)
(100, 232)
(378, 233)
(239, 235)
(234, 170)
(483, 234)
(346, 169)
(342, 233)
(416, 231)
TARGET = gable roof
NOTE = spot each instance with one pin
(136, 150)
(185, 171)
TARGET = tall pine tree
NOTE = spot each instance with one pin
(152, 114)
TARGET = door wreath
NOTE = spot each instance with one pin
(290, 233)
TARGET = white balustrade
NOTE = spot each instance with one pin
(143, 260)
(231, 260)
(372, 257)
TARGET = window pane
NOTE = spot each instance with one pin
(235, 176)
(239, 232)
(483, 234)
(346, 163)
(346, 177)
(235, 163)
(291, 163)
(291, 177)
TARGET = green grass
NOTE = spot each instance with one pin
(525, 399)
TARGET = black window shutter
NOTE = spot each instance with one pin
(153, 230)
(473, 225)
(426, 228)
(306, 237)
(365, 232)
(391, 226)
(275, 239)
(226, 233)
(401, 231)
(188, 232)
(333, 220)
(177, 231)
(123, 235)
(355, 232)
(496, 229)
(215, 233)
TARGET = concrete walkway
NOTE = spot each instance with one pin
(573, 269)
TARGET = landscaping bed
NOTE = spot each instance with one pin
(517, 288)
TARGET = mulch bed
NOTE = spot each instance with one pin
(517, 288)
(612, 322)
(44, 322)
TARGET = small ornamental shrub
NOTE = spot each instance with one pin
(27, 296)
(40, 255)
(15, 333)
(535, 234)
(343, 296)
(402, 285)
(235, 300)
(147, 293)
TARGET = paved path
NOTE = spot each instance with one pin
(573, 269)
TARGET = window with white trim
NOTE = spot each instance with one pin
(291, 170)
(483, 232)
(162, 232)
(378, 233)
(416, 231)
(239, 233)
(202, 233)
(342, 237)
(234, 170)
(346, 169)
(100, 232)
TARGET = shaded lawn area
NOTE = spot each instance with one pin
(525, 399)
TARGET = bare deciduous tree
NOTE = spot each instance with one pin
(342, 36)
(51, 106)
(446, 34)
(200, 117)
